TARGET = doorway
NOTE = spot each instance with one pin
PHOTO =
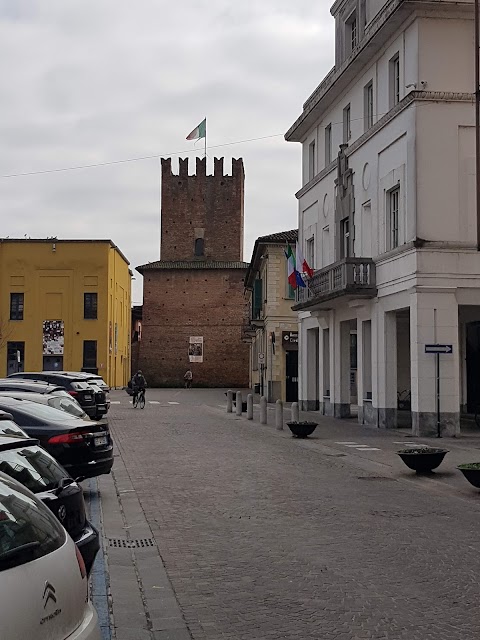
(53, 363)
(473, 366)
(291, 378)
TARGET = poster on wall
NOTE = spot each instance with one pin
(195, 349)
(53, 337)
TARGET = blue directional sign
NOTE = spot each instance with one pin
(438, 348)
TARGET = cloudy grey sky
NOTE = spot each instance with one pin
(91, 81)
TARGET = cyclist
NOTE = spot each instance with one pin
(138, 384)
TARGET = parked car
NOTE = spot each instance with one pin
(90, 377)
(83, 448)
(43, 580)
(31, 386)
(63, 402)
(24, 460)
(83, 393)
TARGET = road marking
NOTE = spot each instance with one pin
(178, 403)
(369, 449)
(346, 442)
(412, 444)
(114, 401)
(354, 444)
(153, 402)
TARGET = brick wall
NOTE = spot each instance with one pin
(183, 303)
(210, 207)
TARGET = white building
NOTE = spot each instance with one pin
(387, 216)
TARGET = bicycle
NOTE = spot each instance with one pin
(139, 400)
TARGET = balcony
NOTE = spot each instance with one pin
(353, 277)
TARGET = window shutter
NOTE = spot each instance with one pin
(257, 299)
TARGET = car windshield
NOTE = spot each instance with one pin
(68, 404)
(28, 530)
(33, 467)
(9, 428)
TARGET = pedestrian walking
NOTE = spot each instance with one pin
(188, 377)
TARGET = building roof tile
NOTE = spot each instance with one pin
(191, 264)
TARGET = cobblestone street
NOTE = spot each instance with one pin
(266, 537)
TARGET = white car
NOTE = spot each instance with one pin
(43, 582)
(63, 402)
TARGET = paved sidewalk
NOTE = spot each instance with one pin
(266, 537)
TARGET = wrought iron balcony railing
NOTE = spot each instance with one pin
(350, 276)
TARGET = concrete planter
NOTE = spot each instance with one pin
(471, 473)
(302, 429)
(422, 460)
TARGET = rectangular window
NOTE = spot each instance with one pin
(89, 354)
(90, 306)
(311, 160)
(347, 124)
(15, 357)
(394, 73)
(351, 29)
(345, 238)
(393, 201)
(328, 145)
(16, 306)
(310, 252)
(368, 105)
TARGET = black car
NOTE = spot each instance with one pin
(24, 460)
(31, 386)
(83, 448)
(78, 388)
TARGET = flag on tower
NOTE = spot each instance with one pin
(199, 132)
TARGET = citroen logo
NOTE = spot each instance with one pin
(62, 512)
(49, 594)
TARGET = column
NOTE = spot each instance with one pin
(342, 370)
(312, 369)
(434, 320)
(386, 368)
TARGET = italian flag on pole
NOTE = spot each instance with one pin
(294, 278)
(199, 132)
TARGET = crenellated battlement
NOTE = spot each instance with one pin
(201, 168)
(202, 215)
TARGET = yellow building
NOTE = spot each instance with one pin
(272, 326)
(65, 305)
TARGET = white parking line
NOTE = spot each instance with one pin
(369, 449)
(345, 442)
(176, 403)
(153, 402)
(115, 402)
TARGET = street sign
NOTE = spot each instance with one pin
(261, 358)
(438, 348)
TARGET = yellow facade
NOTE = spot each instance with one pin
(54, 276)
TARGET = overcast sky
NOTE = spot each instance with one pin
(91, 81)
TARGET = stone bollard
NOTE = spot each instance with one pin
(279, 415)
(295, 412)
(238, 403)
(229, 401)
(250, 407)
(263, 410)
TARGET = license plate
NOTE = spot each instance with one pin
(88, 397)
(99, 442)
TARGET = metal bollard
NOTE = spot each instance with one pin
(229, 401)
(263, 410)
(295, 412)
(238, 403)
(250, 407)
(279, 415)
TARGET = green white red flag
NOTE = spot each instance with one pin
(199, 132)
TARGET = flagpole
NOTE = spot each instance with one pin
(205, 138)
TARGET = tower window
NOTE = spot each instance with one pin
(199, 247)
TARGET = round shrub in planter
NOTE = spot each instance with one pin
(471, 472)
(302, 429)
(422, 459)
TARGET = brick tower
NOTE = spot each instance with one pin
(194, 307)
